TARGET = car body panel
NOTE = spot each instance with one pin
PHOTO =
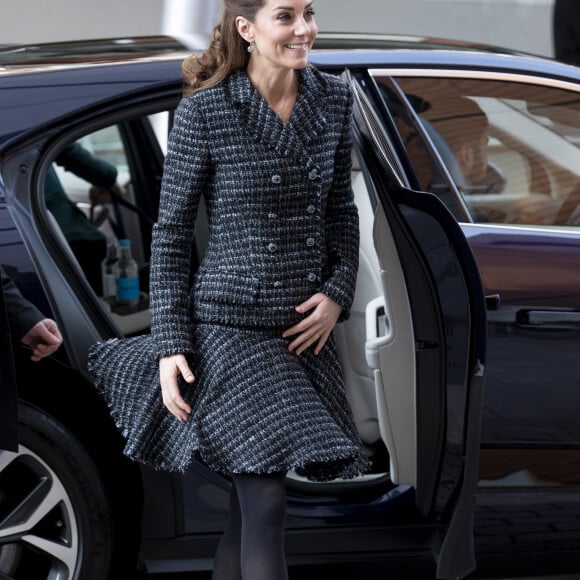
(537, 305)
(106, 82)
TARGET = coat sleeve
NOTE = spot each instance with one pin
(22, 314)
(185, 174)
(78, 160)
(342, 225)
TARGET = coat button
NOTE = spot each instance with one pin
(311, 209)
(272, 216)
(311, 277)
(272, 247)
(313, 174)
(310, 242)
(277, 284)
(276, 179)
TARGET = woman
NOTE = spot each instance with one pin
(248, 366)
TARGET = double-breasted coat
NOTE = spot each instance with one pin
(282, 226)
(282, 221)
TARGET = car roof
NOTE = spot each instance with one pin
(331, 49)
(27, 71)
(354, 40)
(79, 53)
(109, 50)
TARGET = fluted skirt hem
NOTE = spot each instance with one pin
(257, 407)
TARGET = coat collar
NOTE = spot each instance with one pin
(306, 123)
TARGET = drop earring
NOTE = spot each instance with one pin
(250, 47)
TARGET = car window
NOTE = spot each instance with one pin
(511, 150)
(105, 144)
(102, 187)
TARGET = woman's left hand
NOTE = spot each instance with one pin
(317, 326)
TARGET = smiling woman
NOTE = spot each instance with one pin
(279, 272)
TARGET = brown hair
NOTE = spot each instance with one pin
(227, 50)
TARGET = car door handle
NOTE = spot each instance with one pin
(379, 330)
(553, 318)
(492, 302)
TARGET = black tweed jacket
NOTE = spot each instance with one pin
(282, 220)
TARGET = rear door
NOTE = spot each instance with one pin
(425, 342)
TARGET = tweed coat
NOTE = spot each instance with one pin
(282, 221)
(282, 226)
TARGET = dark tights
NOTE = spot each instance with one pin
(252, 547)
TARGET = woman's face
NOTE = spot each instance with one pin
(283, 33)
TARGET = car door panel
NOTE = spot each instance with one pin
(447, 311)
(393, 349)
(532, 396)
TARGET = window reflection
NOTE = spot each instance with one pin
(511, 150)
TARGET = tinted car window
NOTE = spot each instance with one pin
(510, 149)
(504, 158)
(133, 150)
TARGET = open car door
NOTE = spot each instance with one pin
(425, 343)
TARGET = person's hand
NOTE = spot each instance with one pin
(101, 196)
(170, 367)
(43, 338)
(317, 326)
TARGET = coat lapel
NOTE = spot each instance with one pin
(305, 125)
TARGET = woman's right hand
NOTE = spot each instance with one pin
(170, 367)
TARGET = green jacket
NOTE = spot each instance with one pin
(72, 221)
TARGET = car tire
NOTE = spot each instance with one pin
(54, 515)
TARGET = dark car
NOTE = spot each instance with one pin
(461, 282)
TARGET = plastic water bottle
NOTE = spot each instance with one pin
(109, 273)
(128, 290)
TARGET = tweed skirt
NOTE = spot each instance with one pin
(257, 407)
